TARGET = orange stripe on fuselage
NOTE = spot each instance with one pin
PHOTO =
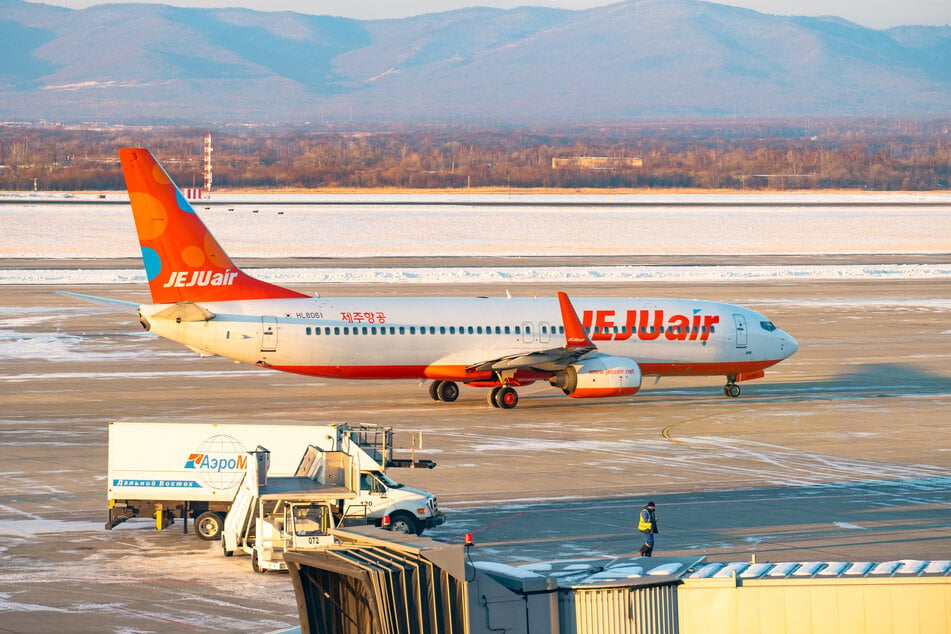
(458, 372)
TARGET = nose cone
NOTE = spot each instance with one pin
(789, 345)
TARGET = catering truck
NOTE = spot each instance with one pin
(183, 470)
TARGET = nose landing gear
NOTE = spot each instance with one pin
(731, 389)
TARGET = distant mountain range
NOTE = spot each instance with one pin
(635, 60)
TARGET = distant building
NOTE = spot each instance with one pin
(595, 162)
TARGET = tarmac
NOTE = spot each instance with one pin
(841, 453)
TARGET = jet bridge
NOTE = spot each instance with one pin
(376, 582)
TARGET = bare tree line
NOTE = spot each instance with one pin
(877, 155)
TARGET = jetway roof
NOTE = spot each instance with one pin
(634, 571)
(620, 571)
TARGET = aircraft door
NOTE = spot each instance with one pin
(268, 334)
(740, 322)
(527, 335)
(544, 332)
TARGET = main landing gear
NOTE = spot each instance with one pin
(503, 396)
(446, 391)
(731, 389)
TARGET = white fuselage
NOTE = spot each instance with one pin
(438, 338)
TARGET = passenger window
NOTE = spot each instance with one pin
(307, 330)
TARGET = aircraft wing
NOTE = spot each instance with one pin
(128, 307)
(577, 345)
(551, 360)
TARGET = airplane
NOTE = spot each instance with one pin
(588, 348)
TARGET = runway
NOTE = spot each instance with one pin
(841, 453)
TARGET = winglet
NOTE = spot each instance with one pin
(575, 335)
(183, 261)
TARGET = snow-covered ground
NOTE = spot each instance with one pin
(506, 275)
(504, 226)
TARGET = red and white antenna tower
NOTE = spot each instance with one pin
(206, 165)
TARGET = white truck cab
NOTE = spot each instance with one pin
(409, 510)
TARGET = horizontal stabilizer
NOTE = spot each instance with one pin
(127, 307)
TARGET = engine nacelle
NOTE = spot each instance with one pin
(598, 377)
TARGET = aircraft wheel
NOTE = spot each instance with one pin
(434, 390)
(732, 390)
(447, 391)
(493, 393)
(506, 398)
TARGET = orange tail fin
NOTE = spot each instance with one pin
(183, 261)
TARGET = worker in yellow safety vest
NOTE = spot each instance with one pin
(647, 525)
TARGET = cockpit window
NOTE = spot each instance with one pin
(767, 326)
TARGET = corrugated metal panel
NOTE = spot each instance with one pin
(812, 604)
(376, 590)
(624, 610)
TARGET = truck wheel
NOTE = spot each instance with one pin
(254, 561)
(208, 526)
(406, 524)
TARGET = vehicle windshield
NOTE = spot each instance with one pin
(767, 326)
(387, 480)
(309, 520)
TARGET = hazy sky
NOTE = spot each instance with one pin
(872, 13)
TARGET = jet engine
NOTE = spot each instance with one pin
(599, 376)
